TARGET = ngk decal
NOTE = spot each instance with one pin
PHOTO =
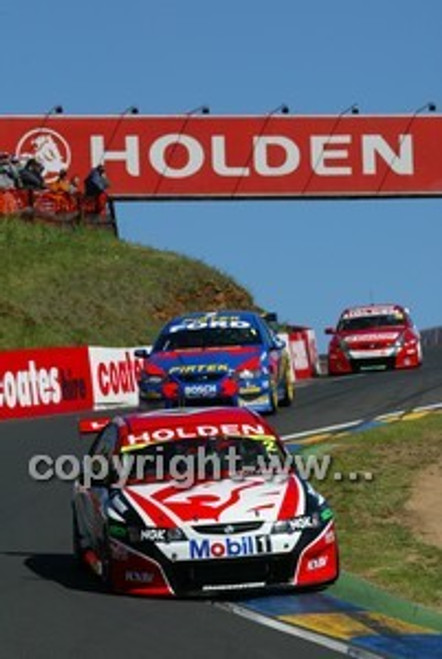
(115, 374)
(34, 382)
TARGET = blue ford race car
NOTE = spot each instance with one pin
(218, 358)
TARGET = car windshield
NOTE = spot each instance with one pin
(368, 322)
(204, 457)
(207, 337)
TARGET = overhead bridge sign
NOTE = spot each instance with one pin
(228, 157)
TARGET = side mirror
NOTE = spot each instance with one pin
(142, 353)
(279, 344)
(329, 330)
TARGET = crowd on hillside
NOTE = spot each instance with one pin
(28, 174)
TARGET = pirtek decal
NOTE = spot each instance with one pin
(199, 368)
(272, 156)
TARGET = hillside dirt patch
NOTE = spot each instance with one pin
(424, 505)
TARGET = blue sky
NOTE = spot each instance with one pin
(306, 260)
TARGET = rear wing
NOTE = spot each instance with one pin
(92, 426)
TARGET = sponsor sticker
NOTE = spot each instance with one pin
(134, 576)
(220, 322)
(153, 535)
(230, 548)
(317, 563)
(195, 369)
(304, 522)
(200, 390)
(180, 432)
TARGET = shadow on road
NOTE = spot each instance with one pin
(61, 568)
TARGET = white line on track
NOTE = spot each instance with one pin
(306, 635)
(305, 433)
(358, 422)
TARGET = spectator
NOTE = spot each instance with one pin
(15, 169)
(62, 183)
(96, 182)
(32, 175)
(6, 179)
(95, 185)
(75, 186)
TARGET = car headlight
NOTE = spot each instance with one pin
(400, 341)
(152, 379)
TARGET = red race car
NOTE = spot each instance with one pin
(372, 337)
(182, 502)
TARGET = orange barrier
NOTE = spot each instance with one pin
(47, 201)
(58, 207)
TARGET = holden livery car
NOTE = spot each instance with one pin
(374, 336)
(197, 501)
(224, 357)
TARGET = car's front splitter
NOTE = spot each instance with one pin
(133, 572)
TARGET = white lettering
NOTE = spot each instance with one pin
(292, 155)
(219, 159)
(34, 471)
(400, 162)
(195, 155)
(130, 155)
(320, 154)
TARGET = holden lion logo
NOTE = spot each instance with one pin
(49, 148)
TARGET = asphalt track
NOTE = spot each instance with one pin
(50, 609)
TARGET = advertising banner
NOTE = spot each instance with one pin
(228, 157)
(114, 373)
(44, 382)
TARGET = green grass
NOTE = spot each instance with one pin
(83, 286)
(376, 538)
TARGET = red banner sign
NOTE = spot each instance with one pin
(44, 381)
(274, 156)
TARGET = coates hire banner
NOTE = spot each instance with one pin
(115, 373)
(44, 381)
(201, 156)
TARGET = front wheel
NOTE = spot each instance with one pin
(289, 392)
(76, 540)
(106, 563)
(273, 398)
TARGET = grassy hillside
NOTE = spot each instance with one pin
(82, 286)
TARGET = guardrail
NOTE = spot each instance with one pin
(431, 337)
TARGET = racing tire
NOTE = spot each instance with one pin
(273, 399)
(106, 565)
(289, 392)
(76, 541)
